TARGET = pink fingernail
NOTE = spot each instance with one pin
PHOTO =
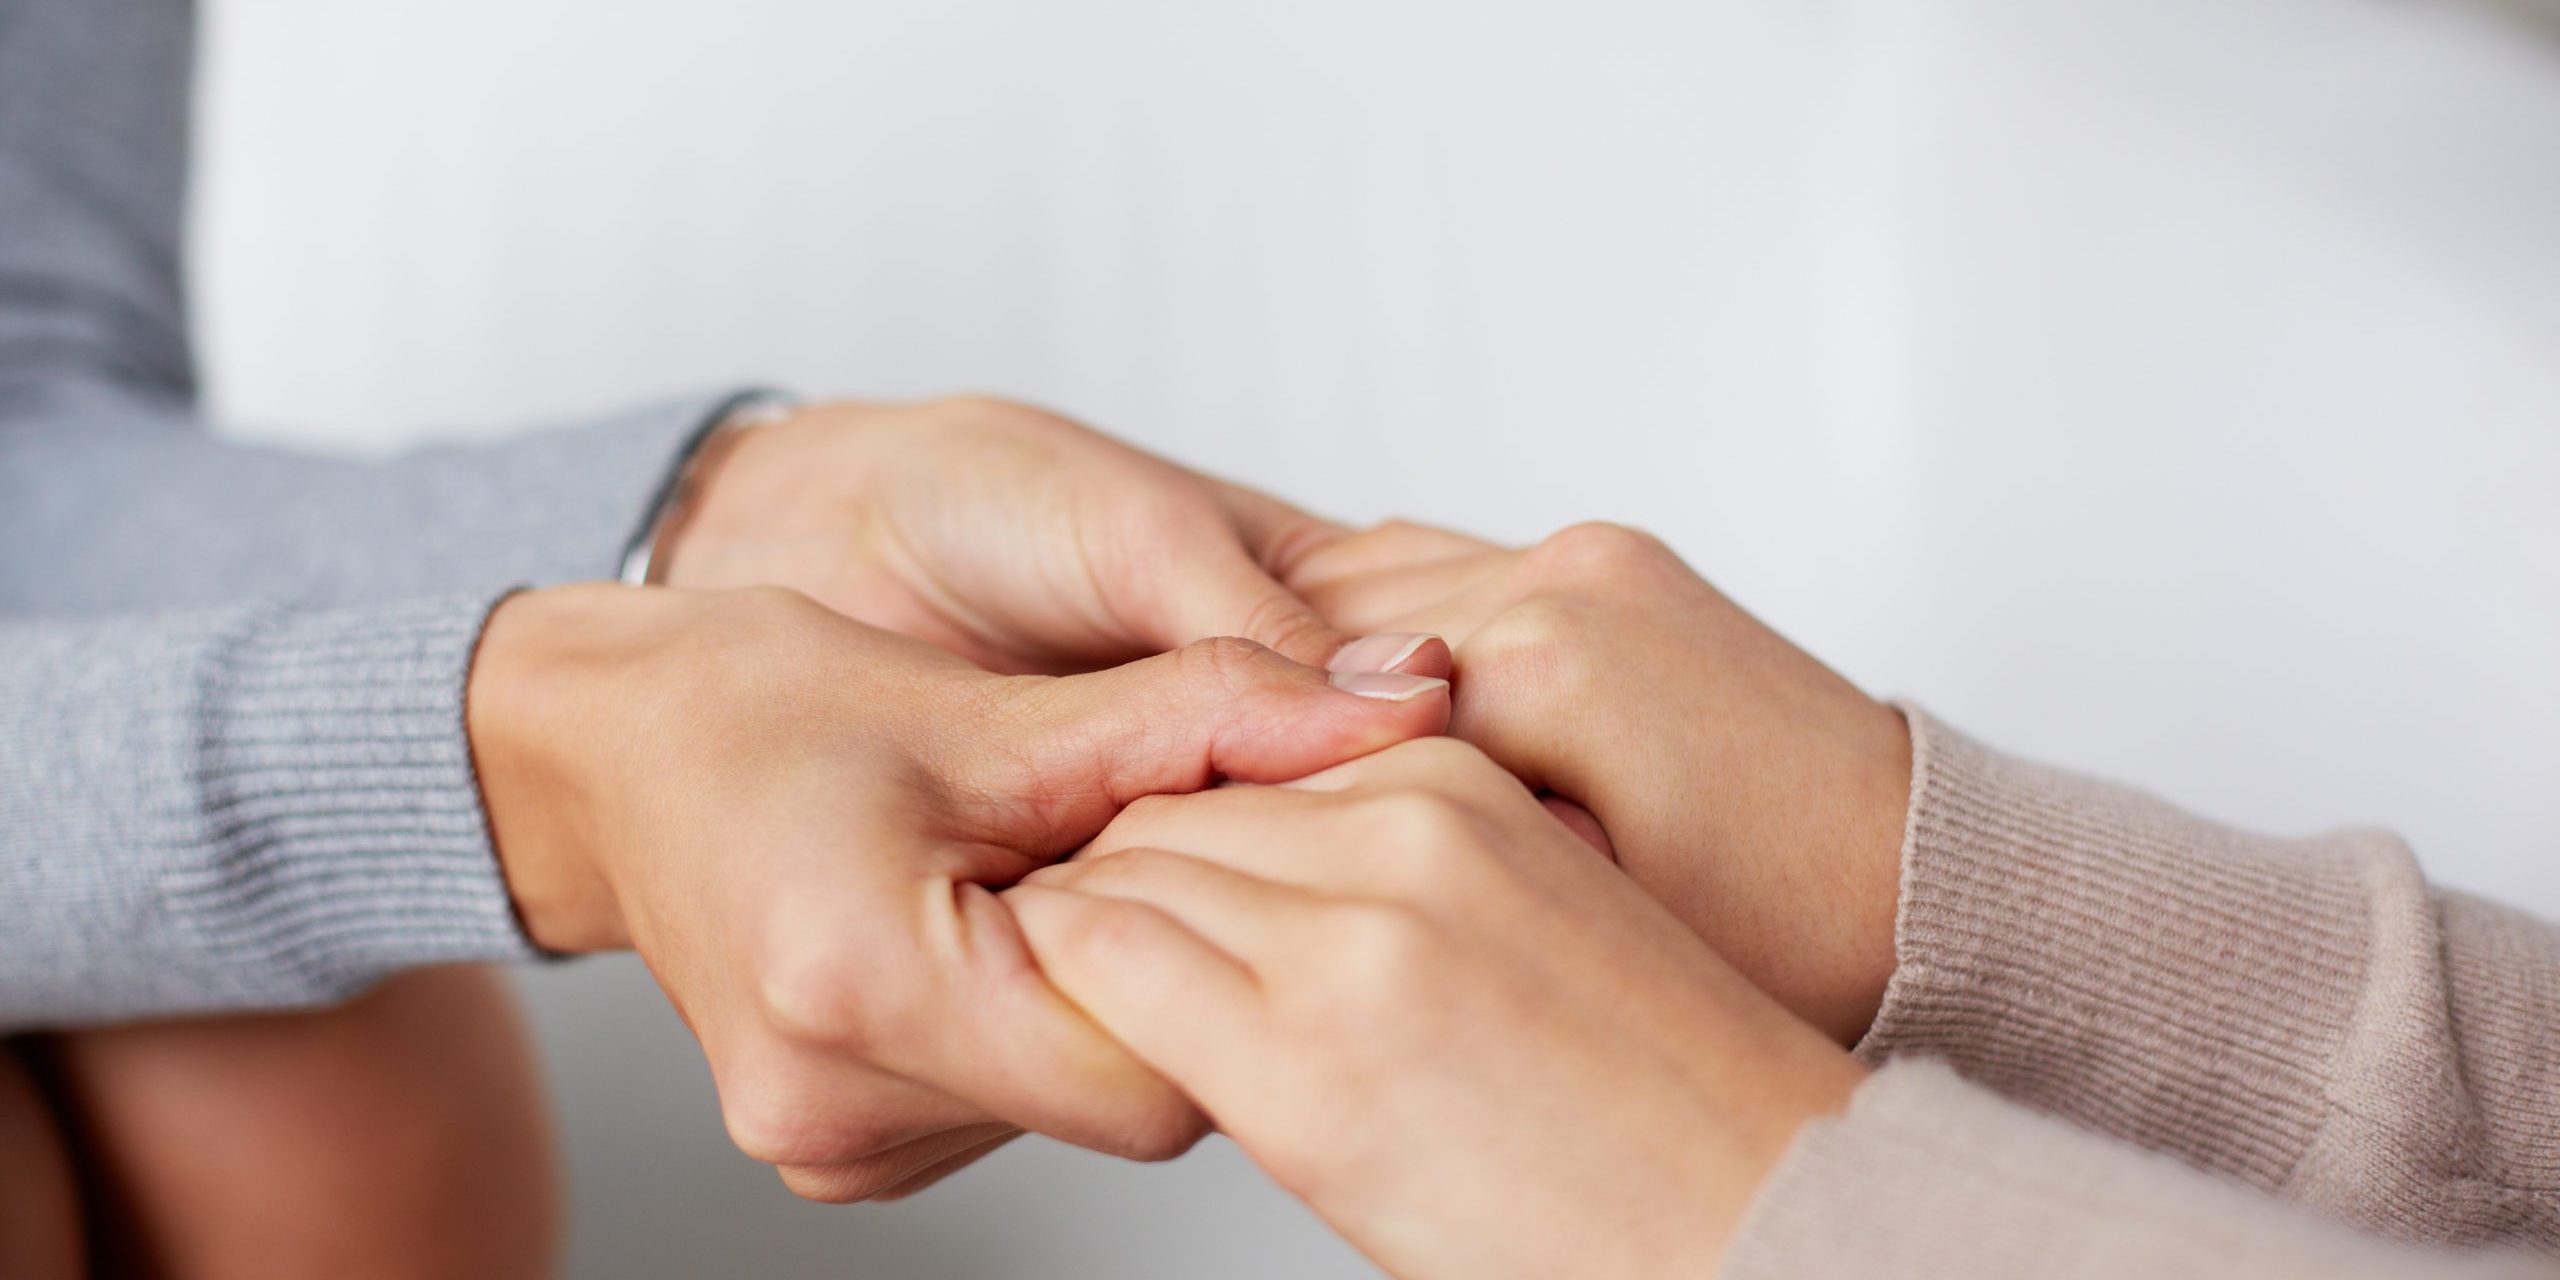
(1385, 686)
(1382, 652)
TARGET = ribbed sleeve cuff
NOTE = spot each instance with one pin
(2098, 954)
(1931, 1178)
(338, 834)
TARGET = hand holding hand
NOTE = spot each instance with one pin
(1432, 1013)
(795, 818)
(1010, 536)
(1752, 791)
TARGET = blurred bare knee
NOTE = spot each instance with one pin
(401, 1134)
(40, 1225)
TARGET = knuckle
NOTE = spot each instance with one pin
(776, 1122)
(1596, 550)
(1448, 756)
(1431, 840)
(767, 1124)
(837, 1184)
(1127, 831)
(1229, 662)
(985, 407)
(766, 607)
(815, 995)
(1135, 819)
(1284, 624)
(1298, 538)
(1384, 945)
(1163, 1132)
(1109, 929)
(1537, 647)
(1002, 420)
(1414, 820)
(1101, 870)
(1526, 629)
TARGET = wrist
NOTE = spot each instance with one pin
(1779, 1075)
(703, 474)
(758, 502)
(1879, 772)
(538, 701)
(649, 560)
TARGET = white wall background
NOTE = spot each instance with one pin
(2171, 387)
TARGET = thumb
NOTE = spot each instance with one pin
(1217, 709)
(1222, 590)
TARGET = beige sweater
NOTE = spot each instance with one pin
(2122, 1041)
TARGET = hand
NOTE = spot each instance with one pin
(1429, 1011)
(1012, 537)
(1752, 791)
(794, 818)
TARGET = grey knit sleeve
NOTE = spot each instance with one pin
(110, 506)
(115, 496)
(248, 807)
(233, 767)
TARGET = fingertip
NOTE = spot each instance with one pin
(1228, 707)
(1388, 686)
(1432, 658)
(1057, 923)
(1403, 652)
(1423, 712)
(1037, 906)
(1354, 714)
(989, 927)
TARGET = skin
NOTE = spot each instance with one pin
(994, 534)
(218, 1147)
(40, 1220)
(400, 1134)
(1397, 983)
(1015, 538)
(796, 819)
(1748, 788)
(1052, 548)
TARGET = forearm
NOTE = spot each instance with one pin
(2304, 1015)
(109, 504)
(1929, 1177)
(236, 808)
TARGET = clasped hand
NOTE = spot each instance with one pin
(909, 657)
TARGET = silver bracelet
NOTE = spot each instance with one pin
(640, 557)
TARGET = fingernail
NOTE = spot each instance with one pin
(1385, 686)
(1382, 652)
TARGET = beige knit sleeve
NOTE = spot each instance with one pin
(1931, 1178)
(2303, 1016)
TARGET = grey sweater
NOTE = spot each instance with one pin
(2120, 1042)
(232, 764)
